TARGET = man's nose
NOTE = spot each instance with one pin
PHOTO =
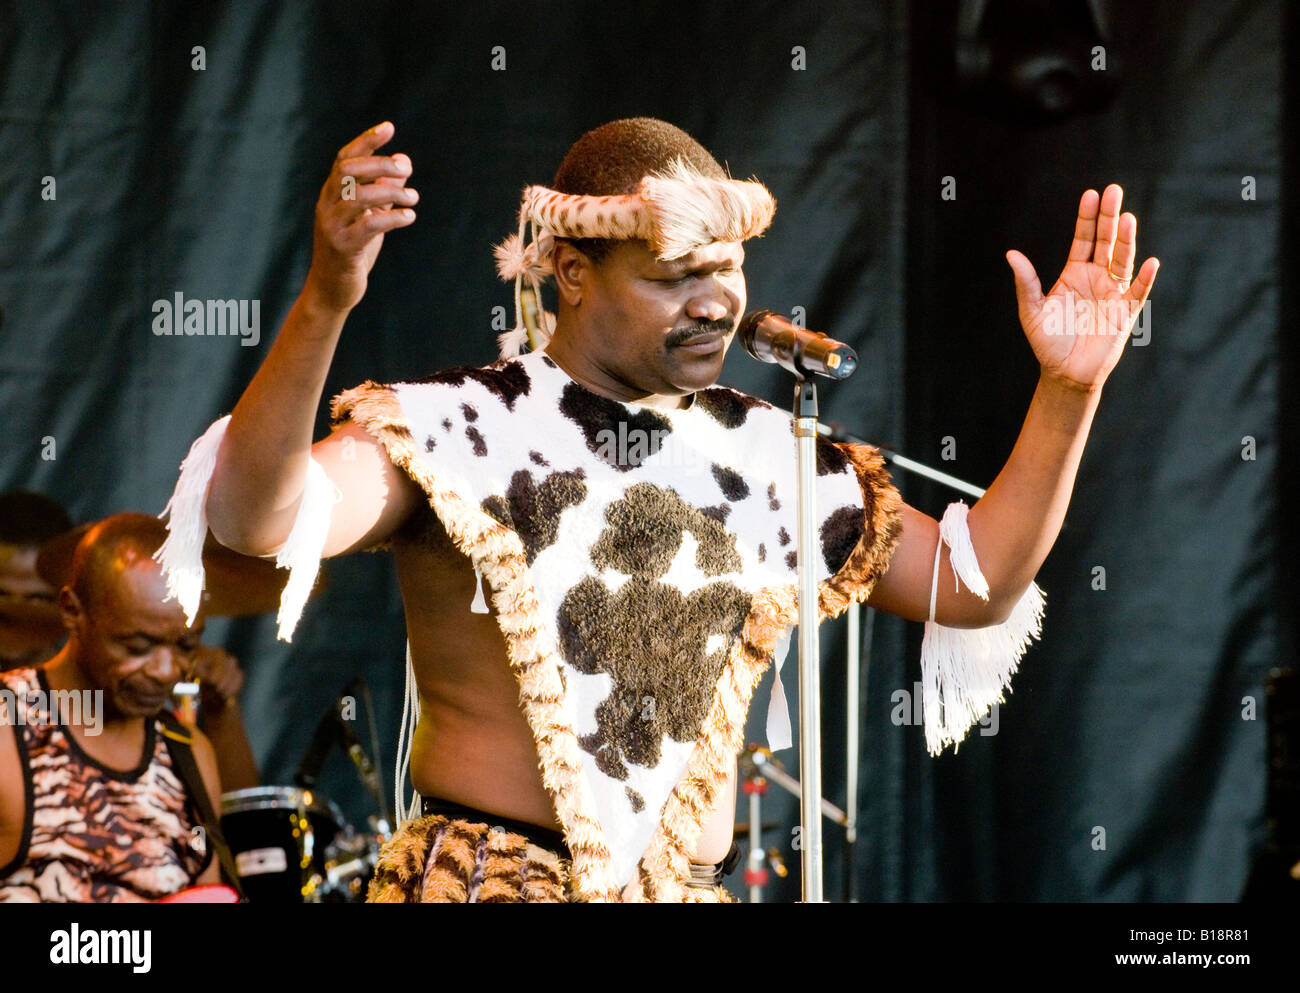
(712, 303)
(164, 665)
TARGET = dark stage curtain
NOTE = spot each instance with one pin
(1129, 762)
(172, 179)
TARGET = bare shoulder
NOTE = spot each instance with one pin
(376, 497)
(13, 792)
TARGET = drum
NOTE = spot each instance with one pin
(278, 836)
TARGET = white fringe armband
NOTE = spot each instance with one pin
(181, 555)
(302, 550)
(964, 672)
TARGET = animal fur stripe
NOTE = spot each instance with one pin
(455, 861)
(437, 859)
(499, 555)
(400, 869)
(543, 877)
(503, 857)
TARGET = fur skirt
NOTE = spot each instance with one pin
(438, 859)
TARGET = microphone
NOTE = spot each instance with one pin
(332, 730)
(770, 337)
(313, 760)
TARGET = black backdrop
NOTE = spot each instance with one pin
(1128, 718)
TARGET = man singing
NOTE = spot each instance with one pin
(593, 541)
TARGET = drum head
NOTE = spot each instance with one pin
(281, 798)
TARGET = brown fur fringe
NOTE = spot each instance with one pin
(499, 555)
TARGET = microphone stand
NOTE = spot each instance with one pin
(770, 338)
(773, 339)
(810, 768)
(811, 803)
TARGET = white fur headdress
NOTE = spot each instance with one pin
(676, 211)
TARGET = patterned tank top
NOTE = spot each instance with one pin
(92, 834)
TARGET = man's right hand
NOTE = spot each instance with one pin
(364, 197)
(261, 469)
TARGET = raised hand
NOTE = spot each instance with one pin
(1079, 329)
(364, 197)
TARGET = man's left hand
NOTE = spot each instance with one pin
(220, 678)
(1078, 330)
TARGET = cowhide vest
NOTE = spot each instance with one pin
(642, 563)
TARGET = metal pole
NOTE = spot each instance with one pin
(810, 772)
(852, 746)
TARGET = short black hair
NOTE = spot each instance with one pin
(30, 519)
(613, 159)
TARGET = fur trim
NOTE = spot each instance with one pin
(499, 554)
(883, 529)
(676, 211)
(572, 215)
(689, 210)
(515, 259)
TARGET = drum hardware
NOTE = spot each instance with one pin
(291, 845)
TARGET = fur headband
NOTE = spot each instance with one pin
(675, 211)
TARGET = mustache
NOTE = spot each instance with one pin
(680, 336)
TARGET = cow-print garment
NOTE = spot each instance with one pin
(94, 834)
(647, 534)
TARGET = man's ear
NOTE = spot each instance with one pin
(569, 267)
(71, 609)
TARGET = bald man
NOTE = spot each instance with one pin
(110, 818)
